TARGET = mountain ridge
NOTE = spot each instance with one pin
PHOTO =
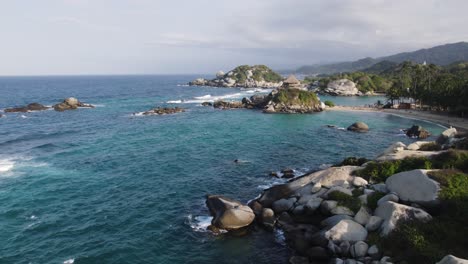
(440, 55)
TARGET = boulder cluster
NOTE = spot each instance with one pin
(278, 101)
(417, 132)
(343, 87)
(28, 108)
(329, 215)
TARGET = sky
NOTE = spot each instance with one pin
(63, 37)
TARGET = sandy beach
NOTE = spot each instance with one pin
(440, 118)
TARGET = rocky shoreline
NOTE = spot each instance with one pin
(343, 213)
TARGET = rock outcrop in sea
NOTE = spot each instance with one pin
(245, 76)
(28, 108)
(161, 111)
(71, 103)
(289, 98)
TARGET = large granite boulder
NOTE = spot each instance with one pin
(392, 213)
(413, 186)
(343, 87)
(417, 132)
(358, 127)
(447, 136)
(346, 230)
(71, 103)
(333, 176)
(450, 259)
(229, 214)
(27, 108)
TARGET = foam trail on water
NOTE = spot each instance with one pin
(212, 98)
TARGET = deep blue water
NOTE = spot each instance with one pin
(102, 186)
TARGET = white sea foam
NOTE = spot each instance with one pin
(6, 165)
(213, 98)
(183, 85)
(279, 237)
(174, 102)
(325, 166)
(69, 261)
(199, 223)
(23, 116)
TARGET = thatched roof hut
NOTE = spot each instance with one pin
(291, 83)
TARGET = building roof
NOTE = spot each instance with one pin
(291, 80)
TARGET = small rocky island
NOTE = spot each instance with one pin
(290, 98)
(245, 76)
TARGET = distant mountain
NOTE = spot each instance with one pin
(439, 55)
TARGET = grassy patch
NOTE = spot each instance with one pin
(432, 146)
(329, 103)
(345, 200)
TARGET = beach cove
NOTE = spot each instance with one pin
(103, 185)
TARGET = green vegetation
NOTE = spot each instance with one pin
(365, 82)
(345, 200)
(296, 96)
(259, 73)
(373, 198)
(329, 103)
(444, 234)
(380, 171)
(352, 161)
(432, 146)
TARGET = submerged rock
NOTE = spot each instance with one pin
(162, 111)
(358, 127)
(229, 214)
(27, 108)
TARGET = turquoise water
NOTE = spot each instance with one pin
(103, 186)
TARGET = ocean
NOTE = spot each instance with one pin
(104, 186)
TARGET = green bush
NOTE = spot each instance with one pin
(295, 96)
(345, 200)
(432, 146)
(380, 171)
(462, 144)
(329, 103)
(373, 198)
(452, 159)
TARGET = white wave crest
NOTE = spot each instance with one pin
(199, 223)
(212, 98)
(6, 165)
(69, 261)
